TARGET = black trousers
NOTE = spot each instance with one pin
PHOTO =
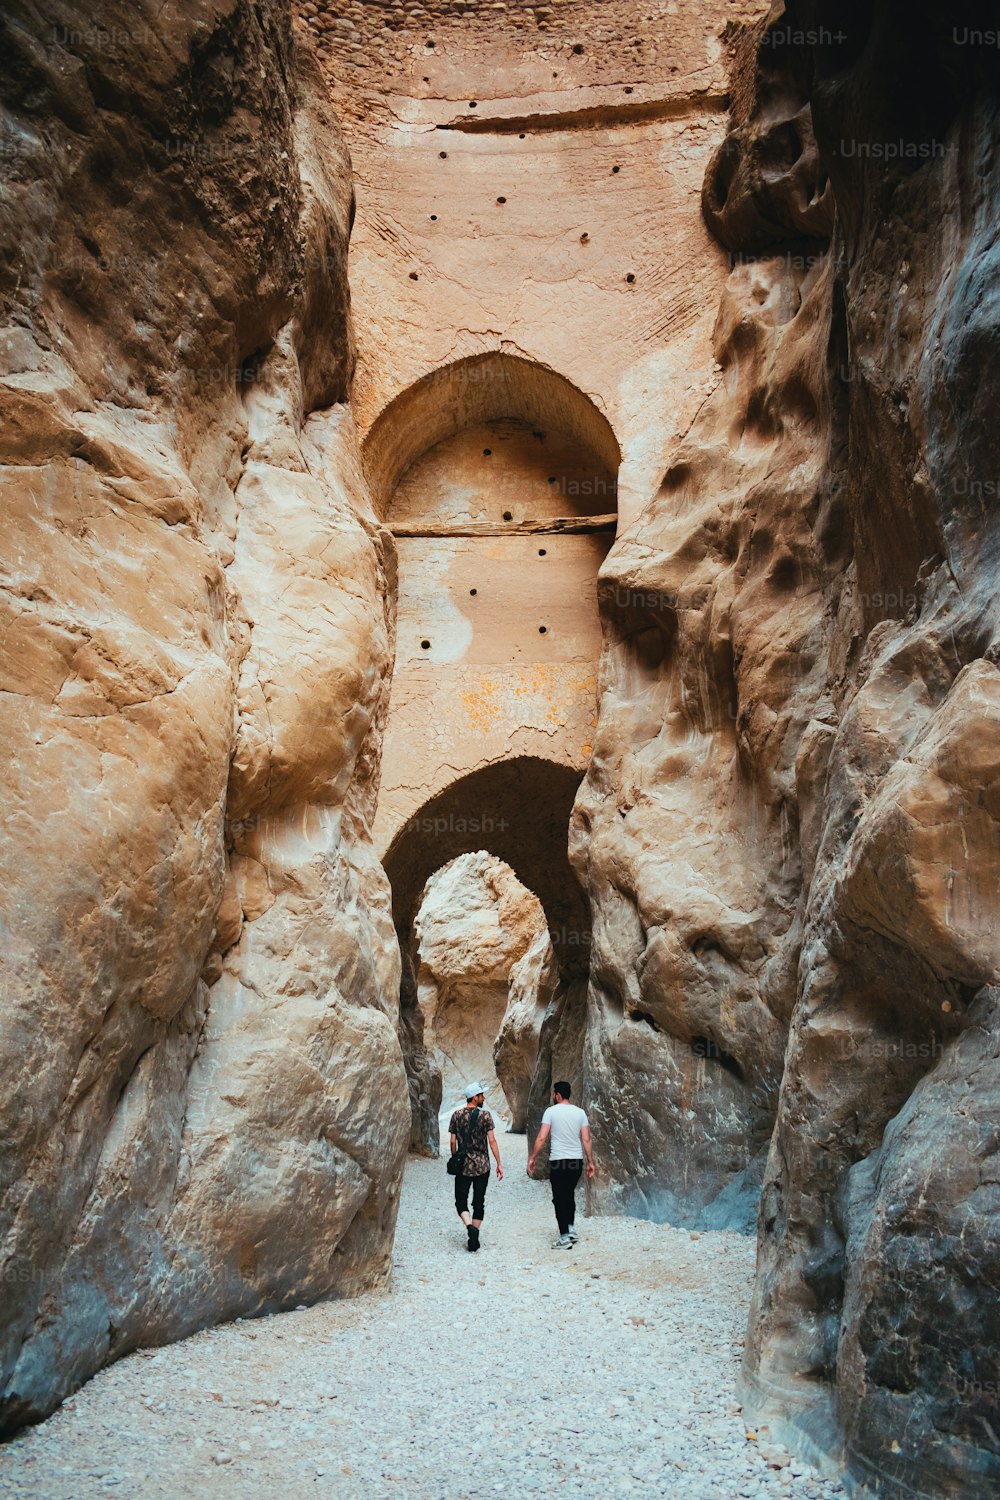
(478, 1186)
(563, 1178)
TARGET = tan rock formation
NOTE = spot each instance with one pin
(530, 184)
(199, 968)
(497, 629)
(486, 974)
(531, 987)
(687, 828)
(875, 1309)
(790, 815)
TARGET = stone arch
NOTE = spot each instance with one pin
(473, 390)
(497, 477)
(518, 810)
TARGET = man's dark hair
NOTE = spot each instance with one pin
(562, 1088)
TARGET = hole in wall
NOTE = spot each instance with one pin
(614, 170)
(249, 369)
(473, 592)
(645, 1017)
(578, 48)
(630, 277)
(433, 216)
(443, 155)
(487, 452)
(628, 88)
(543, 630)
(501, 200)
(707, 1048)
(541, 551)
(508, 515)
(425, 645)
(414, 276)
(473, 104)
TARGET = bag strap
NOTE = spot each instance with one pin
(468, 1129)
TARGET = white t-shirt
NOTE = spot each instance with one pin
(566, 1121)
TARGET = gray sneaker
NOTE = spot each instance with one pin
(572, 1234)
(562, 1243)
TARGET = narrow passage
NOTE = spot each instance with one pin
(603, 1371)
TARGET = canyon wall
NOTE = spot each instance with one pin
(789, 829)
(696, 824)
(879, 1257)
(204, 1109)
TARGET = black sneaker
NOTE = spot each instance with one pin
(473, 1238)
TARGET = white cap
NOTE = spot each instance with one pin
(472, 1089)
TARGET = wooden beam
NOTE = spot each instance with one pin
(552, 526)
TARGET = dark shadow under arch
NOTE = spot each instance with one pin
(480, 388)
(517, 809)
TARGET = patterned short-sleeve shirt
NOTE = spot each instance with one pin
(472, 1134)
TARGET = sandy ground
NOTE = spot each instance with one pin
(603, 1371)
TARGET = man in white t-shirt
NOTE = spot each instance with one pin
(569, 1129)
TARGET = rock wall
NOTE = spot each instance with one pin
(876, 1304)
(204, 1109)
(789, 831)
(696, 823)
(528, 184)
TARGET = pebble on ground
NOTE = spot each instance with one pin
(602, 1371)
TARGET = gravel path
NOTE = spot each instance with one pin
(599, 1372)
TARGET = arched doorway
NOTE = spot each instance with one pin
(497, 479)
(518, 810)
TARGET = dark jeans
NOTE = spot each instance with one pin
(563, 1178)
(478, 1186)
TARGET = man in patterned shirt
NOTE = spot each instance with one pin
(472, 1133)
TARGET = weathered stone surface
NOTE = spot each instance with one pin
(878, 1227)
(686, 831)
(487, 972)
(531, 986)
(199, 968)
(789, 825)
(535, 191)
(917, 1379)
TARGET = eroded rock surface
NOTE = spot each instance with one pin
(531, 987)
(200, 973)
(789, 832)
(790, 823)
(879, 1254)
(697, 817)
